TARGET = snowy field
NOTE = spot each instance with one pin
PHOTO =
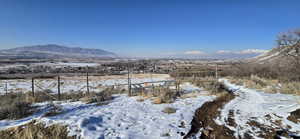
(264, 108)
(124, 117)
(71, 84)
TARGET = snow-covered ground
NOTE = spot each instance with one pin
(63, 64)
(73, 84)
(124, 117)
(264, 108)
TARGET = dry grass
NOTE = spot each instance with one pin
(55, 110)
(290, 88)
(166, 96)
(13, 106)
(34, 130)
(159, 95)
(169, 110)
(271, 89)
(157, 100)
(269, 85)
(140, 100)
(190, 95)
(96, 97)
(18, 105)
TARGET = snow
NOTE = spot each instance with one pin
(71, 85)
(250, 104)
(123, 117)
(63, 64)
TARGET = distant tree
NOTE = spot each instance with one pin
(289, 44)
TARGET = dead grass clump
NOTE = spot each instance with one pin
(169, 110)
(166, 96)
(16, 110)
(258, 80)
(96, 97)
(157, 101)
(190, 95)
(73, 96)
(290, 88)
(271, 89)
(252, 84)
(236, 81)
(213, 86)
(55, 110)
(13, 106)
(140, 100)
(39, 96)
(34, 130)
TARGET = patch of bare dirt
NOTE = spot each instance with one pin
(265, 132)
(230, 119)
(204, 119)
(295, 116)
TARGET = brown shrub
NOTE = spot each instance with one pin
(169, 110)
(55, 110)
(34, 130)
(16, 110)
(290, 88)
(166, 96)
(96, 97)
(13, 106)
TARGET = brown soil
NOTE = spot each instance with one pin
(204, 118)
(34, 130)
(265, 131)
(295, 116)
(230, 119)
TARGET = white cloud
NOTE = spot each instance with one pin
(253, 51)
(193, 52)
(223, 52)
(247, 51)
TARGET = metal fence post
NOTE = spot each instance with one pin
(87, 80)
(58, 87)
(32, 86)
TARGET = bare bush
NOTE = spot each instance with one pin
(165, 95)
(55, 110)
(97, 97)
(169, 110)
(13, 106)
(34, 130)
(290, 88)
(16, 110)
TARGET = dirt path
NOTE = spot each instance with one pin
(204, 120)
(247, 113)
(258, 114)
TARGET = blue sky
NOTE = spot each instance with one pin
(147, 27)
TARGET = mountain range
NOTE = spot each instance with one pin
(54, 51)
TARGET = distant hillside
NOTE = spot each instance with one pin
(272, 56)
(54, 51)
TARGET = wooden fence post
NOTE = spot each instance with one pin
(217, 72)
(58, 87)
(32, 86)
